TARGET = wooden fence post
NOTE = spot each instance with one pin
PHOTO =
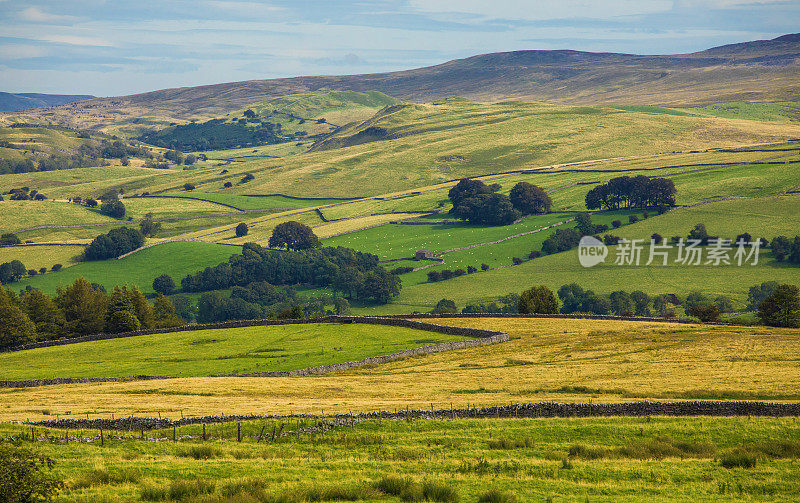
(174, 433)
(239, 432)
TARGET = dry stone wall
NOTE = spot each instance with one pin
(687, 408)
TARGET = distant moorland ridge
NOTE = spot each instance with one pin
(763, 70)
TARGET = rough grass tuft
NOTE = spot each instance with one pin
(199, 452)
(495, 496)
(738, 458)
(511, 443)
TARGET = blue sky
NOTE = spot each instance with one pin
(112, 47)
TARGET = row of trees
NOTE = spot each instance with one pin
(479, 203)
(79, 309)
(775, 304)
(632, 192)
(262, 300)
(354, 274)
(25, 194)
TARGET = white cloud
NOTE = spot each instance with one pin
(73, 40)
(537, 11)
(37, 15)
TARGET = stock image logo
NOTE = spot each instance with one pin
(591, 251)
(692, 252)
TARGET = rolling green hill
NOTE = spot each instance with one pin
(787, 111)
(286, 119)
(765, 217)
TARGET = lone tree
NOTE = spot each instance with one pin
(112, 207)
(293, 236)
(12, 271)
(529, 199)
(148, 227)
(445, 306)
(242, 230)
(538, 300)
(164, 284)
(781, 308)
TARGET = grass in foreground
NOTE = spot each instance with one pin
(546, 360)
(489, 460)
(221, 351)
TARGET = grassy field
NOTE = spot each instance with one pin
(434, 143)
(762, 217)
(211, 352)
(176, 259)
(299, 112)
(599, 459)
(36, 257)
(18, 215)
(342, 227)
(563, 268)
(429, 144)
(170, 207)
(490, 138)
(260, 202)
(28, 141)
(260, 228)
(788, 111)
(546, 360)
(243, 154)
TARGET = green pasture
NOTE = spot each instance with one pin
(653, 110)
(169, 228)
(18, 215)
(92, 182)
(36, 257)
(213, 352)
(563, 268)
(176, 259)
(258, 202)
(433, 143)
(44, 139)
(766, 217)
(171, 207)
(743, 181)
(243, 154)
(763, 217)
(393, 241)
(787, 111)
(605, 459)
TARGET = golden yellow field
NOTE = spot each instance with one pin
(36, 257)
(546, 360)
